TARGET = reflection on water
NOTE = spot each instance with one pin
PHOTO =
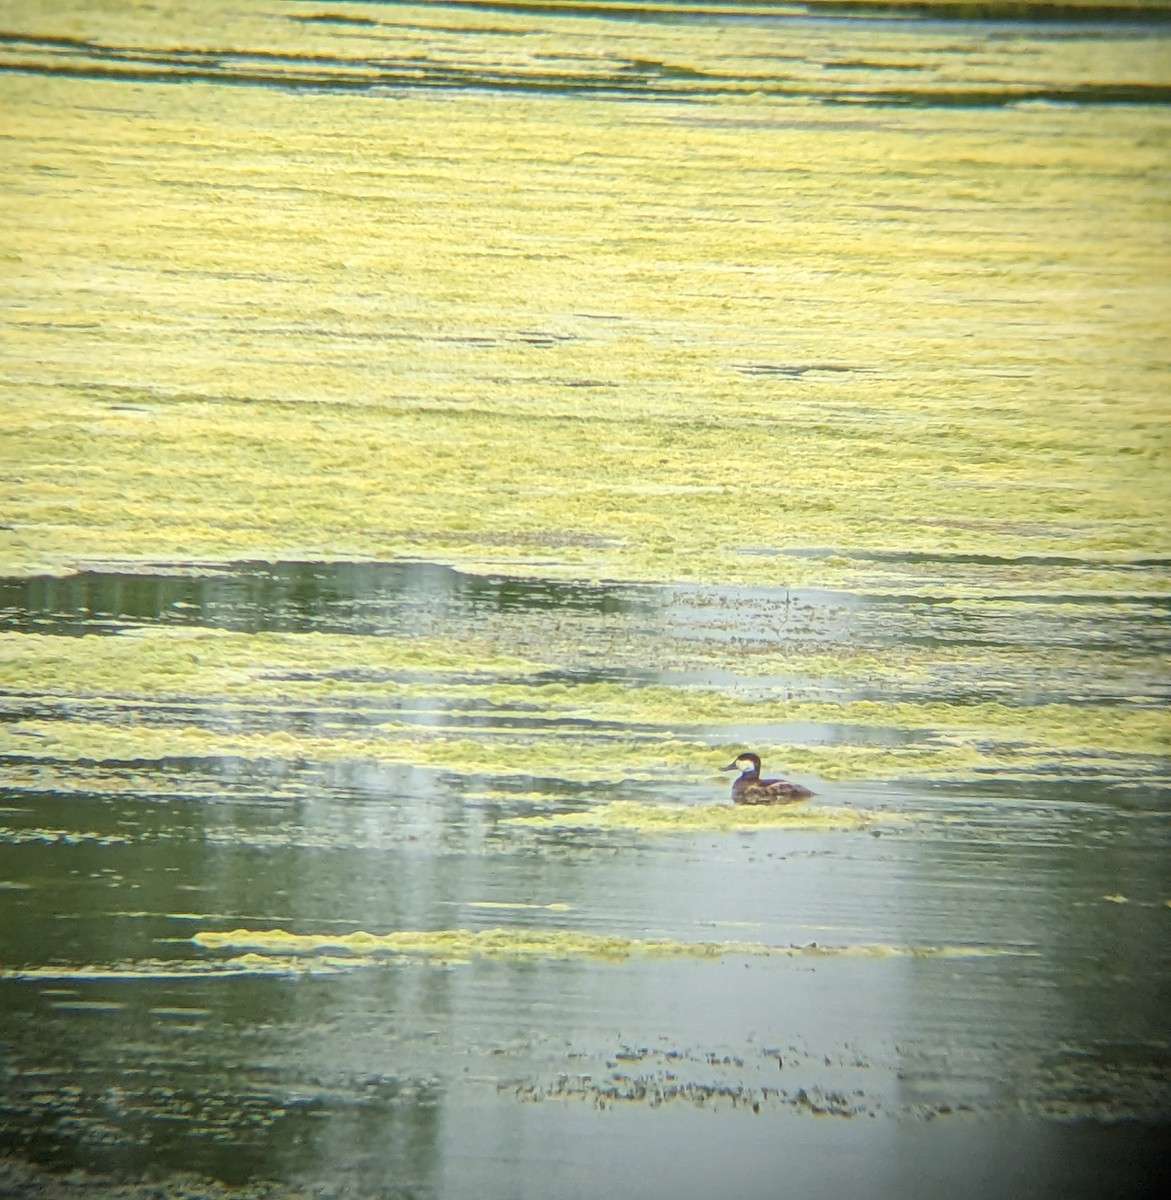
(361, 598)
(1013, 966)
(688, 630)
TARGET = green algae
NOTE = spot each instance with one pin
(178, 693)
(538, 331)
(161, 662)
(207, 662)
(450, 337)
(143, 969)
(280, 952)
(660, 818)
(36, 775)
(459, 945)
(169, 663)
(662, 759)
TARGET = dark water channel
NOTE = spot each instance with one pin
(1007, 1034)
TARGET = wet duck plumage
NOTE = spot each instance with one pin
(751, 789)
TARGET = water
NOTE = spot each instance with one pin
(1016, 994)
(437, 439)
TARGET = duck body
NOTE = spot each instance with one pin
(751, 789)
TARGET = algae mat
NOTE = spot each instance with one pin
(462, 944)
(654, 299)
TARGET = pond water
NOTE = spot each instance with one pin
(966, 987)
(437, 439)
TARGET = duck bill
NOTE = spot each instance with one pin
(732, 766)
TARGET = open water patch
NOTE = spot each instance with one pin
(238, 833)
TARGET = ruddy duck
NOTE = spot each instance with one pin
(751, 789)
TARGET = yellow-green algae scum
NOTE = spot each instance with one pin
(268, 949)
(166, 695)
(522, 318)
(566, 294)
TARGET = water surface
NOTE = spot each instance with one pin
(985, 958)
(439, 437)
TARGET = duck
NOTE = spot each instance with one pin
(751, 789)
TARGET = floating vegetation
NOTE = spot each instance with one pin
(160, 662)
(662, 818)
(458, 945)
(167, 969)
(522, 319)
(652, 758)
(476, 708)
(655, 1089)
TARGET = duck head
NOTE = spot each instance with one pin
(746, 764)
